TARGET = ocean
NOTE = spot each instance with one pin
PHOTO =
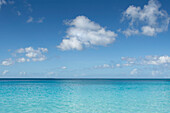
(85, 96)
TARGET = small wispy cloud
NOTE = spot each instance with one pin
(155, 65)
(30, 19)
(63, 67)
(2, 2)
(11, 2)
(5, 72)
(147, 60)
(7, 62)
(104, 66)
(18, 13)
(22, 73)
(33, 20)
(134, 71)
(41, 20)
(155, 72)
(26, 6)
(51, 73)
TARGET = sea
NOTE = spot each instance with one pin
(85, 96)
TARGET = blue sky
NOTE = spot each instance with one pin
(84, 38)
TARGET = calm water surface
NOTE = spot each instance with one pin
(85, 96)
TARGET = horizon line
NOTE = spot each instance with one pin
(84, 78)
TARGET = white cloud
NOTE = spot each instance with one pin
(29, 49)
(129, 61)
(7, 62)
(24, 6)
(30, 19)
(118, 65)
(21, 50)
(34, 54)
(43, 49)
(147, 30)
(129, 32)
(26, 55)
(126, 64)
(103, 66)
(161, 63)
(40, 58)
(147, 21)
(147, 60)
(157, 60)
(71, 43)
(134, 71)
(2, 2)
(5, 72)
(21, 60)
(85, 33)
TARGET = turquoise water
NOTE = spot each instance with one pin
(85, 96)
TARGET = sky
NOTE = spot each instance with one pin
(84, 39)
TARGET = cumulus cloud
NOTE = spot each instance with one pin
(7, 62)
(5, 72)
(83, 32)
(33, 54)
(147, 21)
(26, 55)
(129, 32)
(147, 30)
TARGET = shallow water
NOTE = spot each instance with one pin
(85, 96)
